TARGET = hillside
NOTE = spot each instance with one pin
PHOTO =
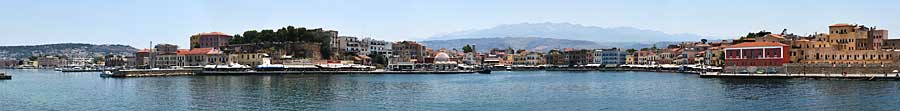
(528, 43)
(65, 49)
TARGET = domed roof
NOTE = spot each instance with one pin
(442, 57)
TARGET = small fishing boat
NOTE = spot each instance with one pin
(106, 74)
(3, 76)
(485, 71)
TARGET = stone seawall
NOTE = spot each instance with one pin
(816, 69)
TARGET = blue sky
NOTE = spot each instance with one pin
(136, 23)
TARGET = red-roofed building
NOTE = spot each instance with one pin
(192, 57)
(757, 54)
(210, 40)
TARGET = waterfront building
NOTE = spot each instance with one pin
(646, 57)
(408, 51)
(79, 61)
(443, 62)
(668, 56)
(630, 59)
(407, 55)
(844, 44)
(714, 56)
(115, 60)
(8, 63)
(471, 58)
(249, 59)
(380, 47)
(192, 57)
(578, 57)
(50, 61)
(556, 57)
(757, 54)
(141, 58)
(526, 58)
(204, 56)
(493, 60)
(613, 56)
(210, 40)
(167, 60)
(352, 45)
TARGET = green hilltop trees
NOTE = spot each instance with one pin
(286, 34)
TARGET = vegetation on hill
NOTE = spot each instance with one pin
(286, 34)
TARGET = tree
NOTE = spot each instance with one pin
(378, 59)
(467, 49)
(703, 41)
(631, 50)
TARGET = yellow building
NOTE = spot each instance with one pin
(250, 59)
(844, 44)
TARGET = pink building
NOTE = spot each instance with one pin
(210, 40)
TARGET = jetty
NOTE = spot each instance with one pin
(3, 76)
(860, 76)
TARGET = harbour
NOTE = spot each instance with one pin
(503, 90)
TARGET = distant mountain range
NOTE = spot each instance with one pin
(65, 49)
(545, 36)
(528, 43)
(534, 43)
(571, 32)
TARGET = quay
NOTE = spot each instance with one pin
(189, 72)
(83, 70)
(3, 76)
(858, 76)
(150, 72)
(330, 72)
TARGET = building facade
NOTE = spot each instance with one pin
(757, 54)
(609, 56)
(210, 40)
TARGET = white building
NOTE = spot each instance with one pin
(376, 46)
(351, 44)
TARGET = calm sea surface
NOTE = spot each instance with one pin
(514, 91)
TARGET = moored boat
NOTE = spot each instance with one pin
(486, 71)
(3, 76)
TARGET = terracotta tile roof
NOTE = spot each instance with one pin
(776, 35)
(198, 51)
(756, 44)
(840, 25)
(144, 50)
(212, 34)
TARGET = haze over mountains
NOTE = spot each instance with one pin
(65, 49)
(528, 43)
(541, 36)
(570, 31)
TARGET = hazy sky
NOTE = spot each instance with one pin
(136, 23)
